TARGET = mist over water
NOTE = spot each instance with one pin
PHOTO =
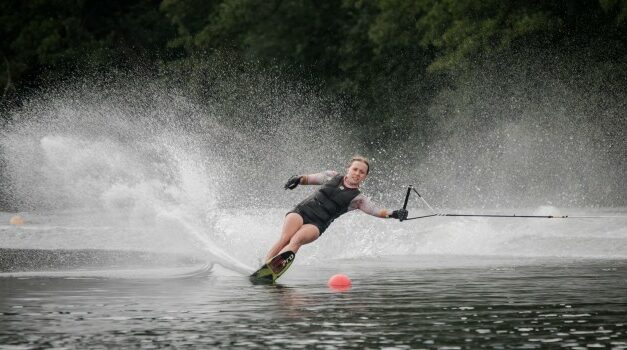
(133, 163)
(526, 131)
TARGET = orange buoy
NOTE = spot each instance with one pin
(339, 282)
(16, 220)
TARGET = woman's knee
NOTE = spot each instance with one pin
(307, 234)
(291, 224)
(286, 238)
(293, 219)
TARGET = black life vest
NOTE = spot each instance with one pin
(330, 201)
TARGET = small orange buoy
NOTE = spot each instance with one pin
(339, 282)
(16, 220)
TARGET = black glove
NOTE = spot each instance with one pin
(400, 214)
(292, 182)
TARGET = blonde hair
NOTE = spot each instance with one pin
(358, 158)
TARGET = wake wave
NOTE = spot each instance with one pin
(247, 237)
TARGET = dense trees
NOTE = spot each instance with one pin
(376, 55)
(49, 39)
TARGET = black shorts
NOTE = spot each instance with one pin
(310, 219)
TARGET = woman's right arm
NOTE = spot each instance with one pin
(312, 179)
(318, 178)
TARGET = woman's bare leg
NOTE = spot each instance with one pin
(291, 224)
(306, 234)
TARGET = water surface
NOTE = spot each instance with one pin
(443, 302)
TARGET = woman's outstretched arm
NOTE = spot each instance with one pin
(318, 178)
(366, 205)
(313, 179)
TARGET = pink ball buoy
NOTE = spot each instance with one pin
(339, 282)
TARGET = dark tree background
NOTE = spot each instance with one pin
(375, 55)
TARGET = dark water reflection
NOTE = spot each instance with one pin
(397, 303)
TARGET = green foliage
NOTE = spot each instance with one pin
(188, 17)
(384, 59)
(50, 39)
(616, 9)
(462, 31)
(367, 53)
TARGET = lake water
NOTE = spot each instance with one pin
(400, 302)
(86, 280)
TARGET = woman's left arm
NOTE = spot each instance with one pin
(366, 205)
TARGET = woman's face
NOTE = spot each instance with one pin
(356, 173)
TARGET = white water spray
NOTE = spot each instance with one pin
(147, 169)
(155, 172)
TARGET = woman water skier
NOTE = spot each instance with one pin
(338, 195)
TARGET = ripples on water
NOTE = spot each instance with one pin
(428, 302)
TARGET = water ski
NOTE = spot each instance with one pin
(272, 270)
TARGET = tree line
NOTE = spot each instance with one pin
(377, 56)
